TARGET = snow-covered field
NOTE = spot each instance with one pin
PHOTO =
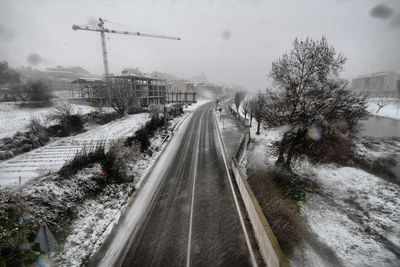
(356, 215)
(391, 110)
(52, 157)
(14, 119)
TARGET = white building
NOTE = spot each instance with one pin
(381, 84)
(181, 92)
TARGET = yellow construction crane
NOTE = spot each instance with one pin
(104, 30)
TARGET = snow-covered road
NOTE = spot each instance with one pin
(53, 156)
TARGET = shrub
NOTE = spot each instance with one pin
(292, 185)
(36, 91)
(116, 162)
(35, 137)
(135, 110)
(84, 158)
(18, 232)
(101, 118)
(143, 135)
(38, 130)
(70, 123)
(326, 149)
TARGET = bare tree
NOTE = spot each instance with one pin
(122, 98)
(252, 105)
(155, 110)
(311, 101)
(217, 100)
(239, 96)
(257, 107)
(245, 107)
(382, 102)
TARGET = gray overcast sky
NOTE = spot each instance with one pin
(232, 42)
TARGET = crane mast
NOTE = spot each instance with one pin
(104, 48)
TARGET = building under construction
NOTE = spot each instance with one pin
(88, 90)
(144, 90)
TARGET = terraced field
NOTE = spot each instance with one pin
(53, 156)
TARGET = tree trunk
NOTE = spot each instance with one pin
(251, 120)
(281, 159)
(258, 127)
(288, 160)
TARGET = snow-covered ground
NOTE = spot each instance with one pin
(200, 101)
(97, 217)
(52, 157)
(14, 119)
(356, 215)
(391, 110)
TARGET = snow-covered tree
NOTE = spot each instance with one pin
(7, 75)
(257, 109)
(239, 96)
(382, 102)
(310, 100)
(246, 107)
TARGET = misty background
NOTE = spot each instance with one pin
(231, 42)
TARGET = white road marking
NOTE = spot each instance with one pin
(253, 259)
(192, 204)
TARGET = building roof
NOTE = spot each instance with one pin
(88, 80)
(383, 73)
(141, 76)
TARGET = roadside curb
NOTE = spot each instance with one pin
(268, 244)
(94, 259)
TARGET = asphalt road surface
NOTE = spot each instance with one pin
(194, 218)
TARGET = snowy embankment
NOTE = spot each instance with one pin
(355, 215)
(52, 157)
(14, 119)
(391, 110)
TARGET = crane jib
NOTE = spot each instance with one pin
(105, 30)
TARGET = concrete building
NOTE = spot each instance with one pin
(144, 89)
(181, 92)
(88, 90)
(208, 90)
(382, 84)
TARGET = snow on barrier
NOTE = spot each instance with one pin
(269, 246)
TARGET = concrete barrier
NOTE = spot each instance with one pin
(267, 242)
(269, 246)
